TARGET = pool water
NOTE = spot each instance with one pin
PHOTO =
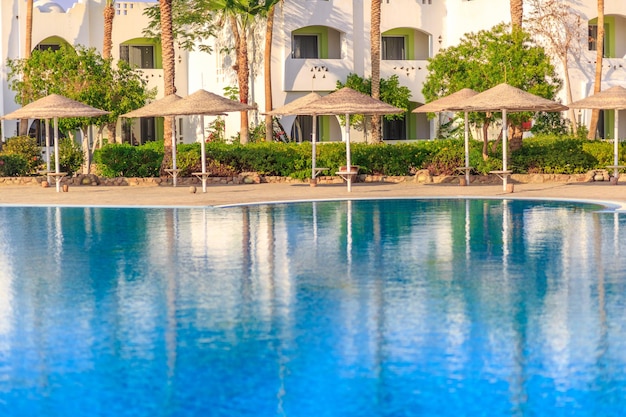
(350, 308)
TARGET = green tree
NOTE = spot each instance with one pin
(487, 58)
(82, 75)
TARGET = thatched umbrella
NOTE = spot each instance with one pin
(156, 109)
(506, 98)
(204, 103)
(300, 107)
(612, 99)
(347, 101)
(442, 104)
(54, 107)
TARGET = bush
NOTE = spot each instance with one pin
(28, 149)
(70, 156)
(124, 160)
(12, 165)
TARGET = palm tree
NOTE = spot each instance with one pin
(375, 53)
(595, 114)
(109, 14)
(28, 47)
(267, 62)
(517, 13)
(167, 51)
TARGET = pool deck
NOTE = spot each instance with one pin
(218, 195)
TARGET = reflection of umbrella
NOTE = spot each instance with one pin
(156, 109)
(612, 99)
(204, 103)
(441, 105)
(300, 106)
(53, 107)
(347, 101)
(504, 97)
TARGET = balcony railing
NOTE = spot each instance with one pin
(314, 74)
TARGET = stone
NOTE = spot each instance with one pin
(44, 184)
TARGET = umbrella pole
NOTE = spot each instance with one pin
(56, 153)
(203, 156)
(348, 156)
(467, 176)
(48, 150)
(616, 146)
(504, 150)
(174, 171)
(313, 150)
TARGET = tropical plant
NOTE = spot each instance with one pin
(517, 13)
(26, 148)
(167, 51)
(28, 47)
(267, 62)
(109, 15)
(375, 58)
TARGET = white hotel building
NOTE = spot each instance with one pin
(316, 44)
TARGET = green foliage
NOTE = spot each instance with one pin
(25, 148)
(550, 123)
(12, 165)
(391, 92)
(487, 58)
(551, 155)
(543, 154)
(70, 156)
(80, 74)
(124, 160)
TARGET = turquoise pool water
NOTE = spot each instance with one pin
(361, 308)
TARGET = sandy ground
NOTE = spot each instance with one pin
(218, 195)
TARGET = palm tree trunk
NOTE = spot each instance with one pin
(517, 13)
(243, 73)
(28, 47)
(269, 29)
(167, 50)
(375, 54)
(109, 15)
(595, 114)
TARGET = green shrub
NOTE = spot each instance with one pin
(28, 149)
(70, 156)
(12, 165)
(124, 160)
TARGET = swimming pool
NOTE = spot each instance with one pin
(350, 308)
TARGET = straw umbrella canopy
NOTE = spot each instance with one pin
(442, 104)
(204, 103)
(612, 99)
(55, 106)
(300, 107)
(156, 109)
(346, 101)
(506, 98)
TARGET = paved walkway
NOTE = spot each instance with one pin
(217, 195)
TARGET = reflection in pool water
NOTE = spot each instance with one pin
(361, 308)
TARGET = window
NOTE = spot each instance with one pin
(393, 47)
(48, 47)
(302, 129)
(394, 129)
(148, 129)
(138, 56)
(305, 46)
(593, 39)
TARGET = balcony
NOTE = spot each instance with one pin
(314, 74)
(411, 74)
